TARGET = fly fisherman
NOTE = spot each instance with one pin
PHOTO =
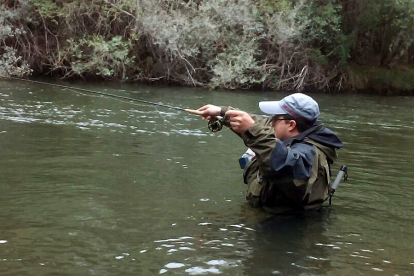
(290, 153)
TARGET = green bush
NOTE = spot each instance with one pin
(275, 44)
(93, 55)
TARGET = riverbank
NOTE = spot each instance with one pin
(281, 45)
(359, 80)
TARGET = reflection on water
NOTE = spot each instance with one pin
(95, 186)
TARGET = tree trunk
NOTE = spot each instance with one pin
(410, 55)
(396, 52)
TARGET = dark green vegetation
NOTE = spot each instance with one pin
(273, 44)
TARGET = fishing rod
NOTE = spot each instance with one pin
(192, 111)
(214, 125)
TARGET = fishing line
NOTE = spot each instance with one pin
(117, 97)
(191, 111)
(174, 126)
(140, 105)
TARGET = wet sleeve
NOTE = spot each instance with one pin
(298, 158)
(226, 119)
(260, 138)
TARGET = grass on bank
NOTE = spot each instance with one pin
(374, 79)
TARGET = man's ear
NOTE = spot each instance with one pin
(292, 125)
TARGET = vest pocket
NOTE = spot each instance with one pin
(250, 170)
(254, 188)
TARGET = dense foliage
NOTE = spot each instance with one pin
(327, 45)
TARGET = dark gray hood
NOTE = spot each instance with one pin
(319, 134)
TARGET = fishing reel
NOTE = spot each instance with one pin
(215, 125)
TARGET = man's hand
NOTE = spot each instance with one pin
(240, 121)
(209, 111)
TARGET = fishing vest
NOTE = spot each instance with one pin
(280, 192)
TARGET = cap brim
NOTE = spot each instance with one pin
(272, 107)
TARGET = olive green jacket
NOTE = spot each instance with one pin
(279, 190)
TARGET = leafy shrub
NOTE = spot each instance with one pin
(277, 44)
(11, 64)
(93, 55)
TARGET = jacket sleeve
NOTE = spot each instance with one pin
(261, 139)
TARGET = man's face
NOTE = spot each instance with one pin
(283, 127)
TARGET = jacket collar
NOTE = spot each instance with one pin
(317, 126)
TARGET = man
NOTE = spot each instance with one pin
(293, 151)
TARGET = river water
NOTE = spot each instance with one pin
(96, 186)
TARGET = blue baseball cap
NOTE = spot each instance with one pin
(298, 105)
